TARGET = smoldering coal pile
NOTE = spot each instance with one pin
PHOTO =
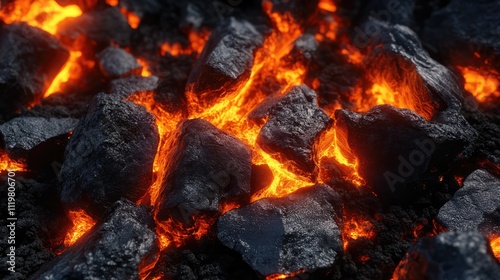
(264, 139)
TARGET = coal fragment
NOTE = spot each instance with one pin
(116, 62)
(142, 7)
(20, 135)
(294, 122)
(396, 147)
(125, 87)
(115, 249)
(226, 61)
(390, 12)
(284, 235)
(207, 166)
(109, 156)
(100, 27)
(470, 206)
(30, 59)
(450, 255)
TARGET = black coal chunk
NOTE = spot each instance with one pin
(115, 249)
(463, 28)
(142, 7)
(207, 166)
(101, 27)
(116, 62)
(20, 135)
(294, 122)
(472, 204)
(110, 155)
(283, 235)
(389, 11)
(125, 87)
(450, 255)
(30, 59)
(226, 61)
(396, 147)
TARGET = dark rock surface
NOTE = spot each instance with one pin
(20, 135)
(125, 87)
(115, 249)
(450, 255)
(226, 61)
(294, 122)
(109, 156)
(207, 166)
(116, 62)
(30, 59)
(285, 235)
(396, 147)
(472, 204)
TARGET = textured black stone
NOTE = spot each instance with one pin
(472, 204)
(109, 156)
(285, 235)
(101, 27)
(125, 87)
(20, 135)
(116, 62)
(30, 59)
(226, 61)
(207, 166)
(450, 255)
(396, 147)
(142, 7)
(390, 11)
(295, 121)
(114, 249)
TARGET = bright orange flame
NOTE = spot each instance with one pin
(483, 84)
(197, 40)
(327, 5)
(44, 14)
(112, 3)
(283, 276)
(133, 19)
(353, 54)
(495, 246)
(145, 68)
(82, 223)
(354, 228)
(11, 165)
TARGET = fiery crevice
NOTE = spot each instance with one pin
(482, 84)
(495, 246)
(6, 163)
(197, 40)
(82, 223)
(355, 227)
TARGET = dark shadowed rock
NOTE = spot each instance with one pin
(101, 27)
(450, 255)
(304, 49)
(390, 11)
(285, 235)
(109, 156)
(30, 59)
(207, 166)
(472, 204)
(116, 62)
(226, 61)
(125, 87)
(142, 7)
(115, 249)
(294, 122)
(396, 147)
(20, 135)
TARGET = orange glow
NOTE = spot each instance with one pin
(353, 54)
(197, 41)
(175, 233)
(44, 14)
(8, 164)
(82, 223)
(354, 228)
(283, 276)
(112, 3)
(495, 246)
(327, 29)
(133, 19)
(327, 5)
(145, 68)
(482, 84)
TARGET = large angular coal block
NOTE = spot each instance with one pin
(116, 62)
(118, 248)
(396, 147)
(206, 167)
(125, 87)
(109, 156)
(463, 29)
(450, 255)
(30, 59)
(226, 61)
(295, 121)
(285, 235)
(472, 205)
(21, 135)
(100, 27)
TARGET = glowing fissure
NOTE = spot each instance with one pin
(82, 223)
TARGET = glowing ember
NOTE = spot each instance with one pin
(480, 83)
(197, 41)
(283, 276)
(82, 223)
(145, 68)
(354, 228)
(495, 247)
(8, 164)
(112, 3)
(353, 54)
(133, 19)
(327, 5)
(44, 14)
